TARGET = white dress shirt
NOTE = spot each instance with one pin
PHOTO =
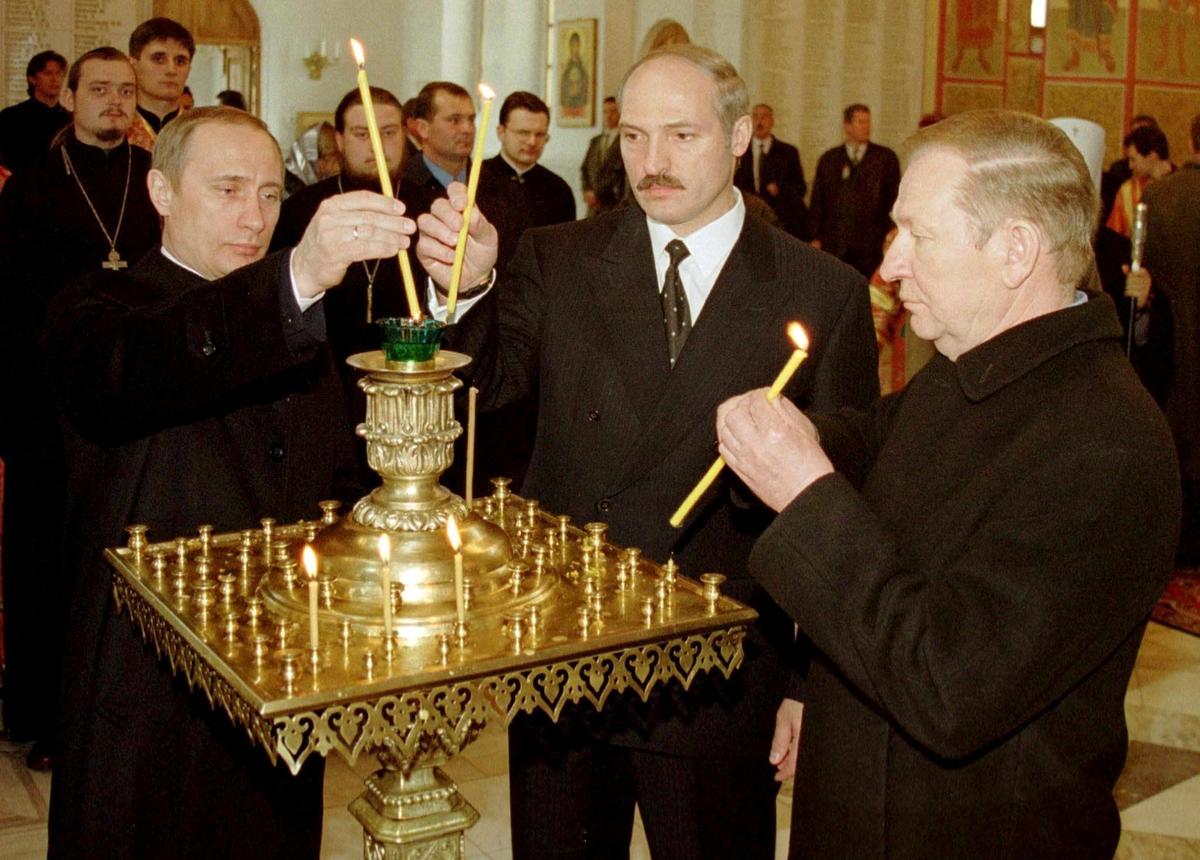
(709, 248)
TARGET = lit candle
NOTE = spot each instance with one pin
(456, 545)
(385, 584)
(460, 249)
(800, 338)
(472, 395)
(385, 179)
(309, 558)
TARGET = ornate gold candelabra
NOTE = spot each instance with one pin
(556, 615)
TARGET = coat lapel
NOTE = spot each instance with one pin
(631, 314)
(710, 367)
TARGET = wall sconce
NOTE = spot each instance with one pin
(319, 58)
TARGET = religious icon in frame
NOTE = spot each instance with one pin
(576, 68)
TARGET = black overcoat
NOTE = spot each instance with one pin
(977, 607)
(193, 402)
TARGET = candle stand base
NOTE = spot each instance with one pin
(417, 816)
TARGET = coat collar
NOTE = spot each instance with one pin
(1009, 356)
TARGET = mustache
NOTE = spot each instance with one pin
(662, 179)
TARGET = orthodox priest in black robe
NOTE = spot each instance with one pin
(78, 208)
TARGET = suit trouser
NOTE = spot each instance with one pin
(573, 796)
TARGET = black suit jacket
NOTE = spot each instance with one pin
(192, 402)
(419, 188)
(622, 438)
(851, 205)
(780, 165)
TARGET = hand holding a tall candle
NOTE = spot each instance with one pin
(441, 227)
(800, 340)
(771, 446)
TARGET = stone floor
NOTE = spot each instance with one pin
(1159, 793)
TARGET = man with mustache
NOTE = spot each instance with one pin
(631, 327)
(200, 391)
(78, 208)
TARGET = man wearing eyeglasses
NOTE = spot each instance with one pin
(516, 191)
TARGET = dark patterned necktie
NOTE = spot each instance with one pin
(677, 316)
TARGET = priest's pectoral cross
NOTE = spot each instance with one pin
(114, 261)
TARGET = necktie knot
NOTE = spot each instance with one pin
(677, 251)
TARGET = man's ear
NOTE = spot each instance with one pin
(1021, 247)
(739, 140)
(67, 99)
(339, 141)
(161, 193)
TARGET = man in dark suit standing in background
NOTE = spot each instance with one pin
(633, 326)
(853, 191)
(771, 169)
(603, 172)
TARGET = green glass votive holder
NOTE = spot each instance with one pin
(406, 340)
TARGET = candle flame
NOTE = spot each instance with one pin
(798, 335)
(385, 548)
(452, 533)
(357, 49)
(309, 558)
(486, 92)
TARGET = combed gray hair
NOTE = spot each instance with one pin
(1021, 166)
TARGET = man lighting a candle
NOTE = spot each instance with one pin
(202, 392)
(625, 410)
(974, 558)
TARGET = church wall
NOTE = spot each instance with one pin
(1089, 61)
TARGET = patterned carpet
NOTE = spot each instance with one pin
(1179, 607)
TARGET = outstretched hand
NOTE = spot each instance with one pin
(439, 235)
(360, 225)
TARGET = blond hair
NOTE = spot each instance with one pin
(1021, 166)
(171, 148)
(732, 98)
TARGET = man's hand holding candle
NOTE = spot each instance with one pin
(771, 446)
(439, 234)
(361, 225)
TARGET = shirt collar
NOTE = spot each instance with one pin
(520, 171)
(764, 144)
(153, 120)
(709, 246)
(444, 176)
(178, 262)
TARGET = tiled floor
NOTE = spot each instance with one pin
(1159, 793)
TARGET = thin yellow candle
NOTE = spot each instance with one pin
(472, 395)
(309, 558)
(385, 583)
(800, 338)
(460, 249)
(385, 179)
(456, 544)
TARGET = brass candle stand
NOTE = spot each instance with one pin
(556, 614)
